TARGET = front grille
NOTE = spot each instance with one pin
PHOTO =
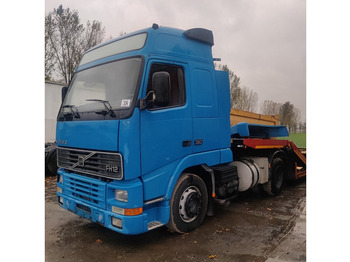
(85, 189)
(102, 164)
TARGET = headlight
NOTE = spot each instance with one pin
(121, 195)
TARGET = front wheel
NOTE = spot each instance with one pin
(188, 203)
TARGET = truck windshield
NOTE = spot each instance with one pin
(102, 90)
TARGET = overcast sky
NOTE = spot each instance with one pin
(263, 42)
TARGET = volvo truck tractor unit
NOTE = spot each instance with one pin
(144, 136)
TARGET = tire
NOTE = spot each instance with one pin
(51, 162)
(188, 204)
(278, 177)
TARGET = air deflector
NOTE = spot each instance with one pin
(200, 34)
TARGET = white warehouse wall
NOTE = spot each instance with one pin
(52, 105)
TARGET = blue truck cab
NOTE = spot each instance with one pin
(143, 131)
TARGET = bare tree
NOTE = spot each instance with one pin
(49, 52)
(94, 34)
(302, 127)
(65, 41)
(234, 81)
(289, 116)
(241, 98)
(245, 99)
(269, 107)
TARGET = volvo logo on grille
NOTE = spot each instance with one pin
(81, 161)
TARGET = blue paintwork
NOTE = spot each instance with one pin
(129, 145)
(101, 211)
(165, 42)
(151, 142)
(209, 158)
(94, 135)
(162, 133)
(260, 131)
(135, 193)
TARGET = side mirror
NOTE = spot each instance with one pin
(162, 88)
(64, 92)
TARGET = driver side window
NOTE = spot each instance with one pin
(177, 82)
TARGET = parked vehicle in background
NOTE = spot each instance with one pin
(53, 102)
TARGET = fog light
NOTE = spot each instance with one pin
(117, 222)
(121, 195)
(60, 200)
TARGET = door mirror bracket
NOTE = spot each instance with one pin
(145, 102)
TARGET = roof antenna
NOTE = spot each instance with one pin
(155, 26)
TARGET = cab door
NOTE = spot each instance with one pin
(165, 130)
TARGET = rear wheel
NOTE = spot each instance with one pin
(278, 176)
(188, 203)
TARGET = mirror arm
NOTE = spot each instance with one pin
(147, 99)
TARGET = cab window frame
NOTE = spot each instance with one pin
(174, 70)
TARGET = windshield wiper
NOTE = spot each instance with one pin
(105, 103)
(75, 113)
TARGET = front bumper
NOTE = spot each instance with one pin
(131, 225)
(94, 200)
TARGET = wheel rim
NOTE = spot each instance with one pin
(190, 204)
